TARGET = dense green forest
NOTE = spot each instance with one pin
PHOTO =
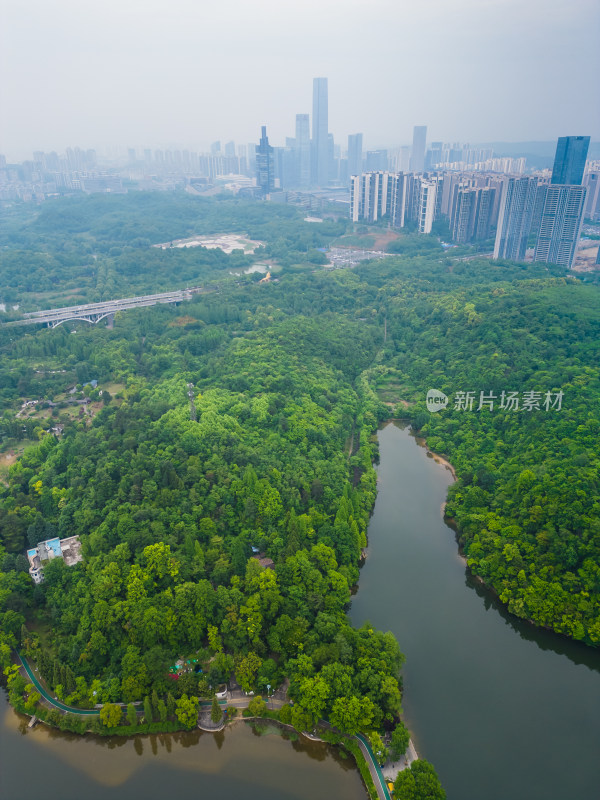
(527, 502)
(289, 381)
(99, 247)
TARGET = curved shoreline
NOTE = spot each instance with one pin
(451, 523)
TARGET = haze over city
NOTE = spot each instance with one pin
(161, 74)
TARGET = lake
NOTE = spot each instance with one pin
(44, 763)
(503, 710)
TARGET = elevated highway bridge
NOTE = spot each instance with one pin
(94, 312)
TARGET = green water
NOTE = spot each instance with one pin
(503, 710)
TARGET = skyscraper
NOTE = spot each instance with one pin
(303, 150)
(320, 143)
(417, 159)
(563, 204)
(560, 225)
(569, 161)
(592, 205)
(426, 205)
(371, 195)
(514, 219)
(471, 214)
(265, 165)
(355, 154)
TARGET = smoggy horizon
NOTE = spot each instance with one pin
(179, 75)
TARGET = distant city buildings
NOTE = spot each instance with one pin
(553, 212)
(320, 133)
(376, 160)
(302, 145)
(265, 168)
(417, 158)
(468, 202)
(355, 157)
(476, 193)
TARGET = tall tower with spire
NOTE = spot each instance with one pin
(265, 164)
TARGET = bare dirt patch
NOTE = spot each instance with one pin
(383, 238)
(585, 260)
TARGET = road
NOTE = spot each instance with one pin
(234, 699)
(380, 785)
(240, 700)
(94, 312)
(53, 701)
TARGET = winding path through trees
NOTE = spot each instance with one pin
(238, 702)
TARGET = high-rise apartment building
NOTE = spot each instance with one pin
(472, 214)
(265, 165)
(560, 225)
(417, 159)
(355, 153)
(397, 200)
(569, 161)
(369, 196)
(412, 191)
(563, 204)
(426, 205)
(374, 195)
(302, 146)
(320, 133)
(592, 203)
(514, 220)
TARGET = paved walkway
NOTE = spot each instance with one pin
(236, 699)
(380, 785)
(53, 701)
(383, 793)
(392, 768)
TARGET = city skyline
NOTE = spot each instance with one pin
(155, 75)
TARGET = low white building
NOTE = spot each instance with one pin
(68, 549)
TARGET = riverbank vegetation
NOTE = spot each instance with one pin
(231, 530)
(526, 500)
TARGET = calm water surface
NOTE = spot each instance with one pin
(504, 711)
(236, 763)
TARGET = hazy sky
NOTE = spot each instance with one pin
(159, 73)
